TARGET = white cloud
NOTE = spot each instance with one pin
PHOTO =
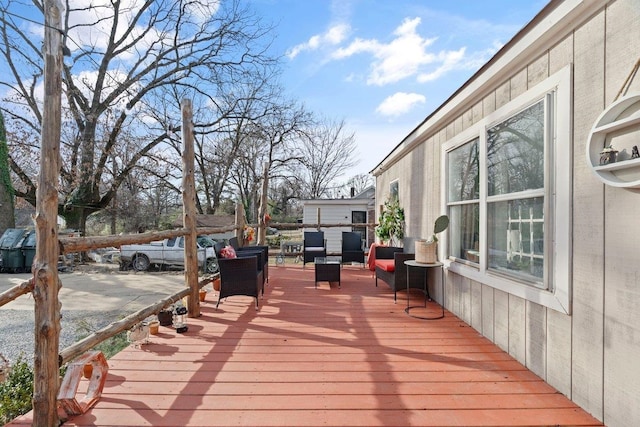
(332, 37)
(400, 103)
(450, 60)
(396, 60)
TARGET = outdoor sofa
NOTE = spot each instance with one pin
(391, 269)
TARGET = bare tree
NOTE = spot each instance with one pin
(352, 187)
(271, 141)
(124, 59)
(326, 153)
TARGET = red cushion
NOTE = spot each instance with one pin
(228, 252)
(387, 265)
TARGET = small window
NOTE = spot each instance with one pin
(394, 191)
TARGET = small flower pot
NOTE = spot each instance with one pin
(87, 370)
(203, 295)
(216, 284)
(154, 327)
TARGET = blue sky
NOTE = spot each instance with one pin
(384, 65)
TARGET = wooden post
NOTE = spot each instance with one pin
(262, 211)
(318, 219)
(189, 211)
(45, 266)
(239, 222)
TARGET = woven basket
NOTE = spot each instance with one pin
(426, 252)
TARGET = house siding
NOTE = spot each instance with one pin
(590, 354)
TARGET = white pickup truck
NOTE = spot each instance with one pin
(168, 253)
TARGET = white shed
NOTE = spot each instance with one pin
(358, 209)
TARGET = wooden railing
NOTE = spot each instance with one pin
(81, 244)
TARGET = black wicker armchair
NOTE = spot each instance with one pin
(352, 250)
(240, 276)
(248, 250)
(314, 246)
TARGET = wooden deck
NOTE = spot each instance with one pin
(323, 357)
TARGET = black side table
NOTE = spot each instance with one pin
(413, 264)
(327, 269)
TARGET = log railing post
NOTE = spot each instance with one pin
(45, 266)
(240, 222)
(189, 211)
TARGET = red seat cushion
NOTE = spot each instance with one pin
(387, 265)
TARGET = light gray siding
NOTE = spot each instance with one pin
(589, 354)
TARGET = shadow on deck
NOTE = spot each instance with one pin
(323, 357)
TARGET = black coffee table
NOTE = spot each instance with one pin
(327, 269)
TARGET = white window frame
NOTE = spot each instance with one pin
(558, 182)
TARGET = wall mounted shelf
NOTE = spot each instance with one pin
(619, 126)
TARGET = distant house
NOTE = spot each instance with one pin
(541, 254)
(357, 209)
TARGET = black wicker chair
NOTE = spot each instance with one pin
(248, 250)
(397, 278)
(314, 246)
(240, 276)
(352, 250)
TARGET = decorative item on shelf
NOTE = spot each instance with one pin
(634, 152)
(180, 319)
(426, 250)
(390, 227)
(608, 155)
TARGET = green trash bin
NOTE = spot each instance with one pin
(11, 250)
(29, 249)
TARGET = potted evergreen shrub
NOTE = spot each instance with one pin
(390, 227)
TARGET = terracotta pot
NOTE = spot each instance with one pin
(216, 284)
(87, 370)
(154, 326)
(203, 295)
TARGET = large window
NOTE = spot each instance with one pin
(508, 196)
(515, 193)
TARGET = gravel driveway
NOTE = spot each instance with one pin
(92, 297)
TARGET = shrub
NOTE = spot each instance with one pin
(16, 391)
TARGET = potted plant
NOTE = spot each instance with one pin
(426, 250)
(391, 223)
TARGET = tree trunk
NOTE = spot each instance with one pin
(7, 217)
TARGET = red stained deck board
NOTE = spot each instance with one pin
(323, 357)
